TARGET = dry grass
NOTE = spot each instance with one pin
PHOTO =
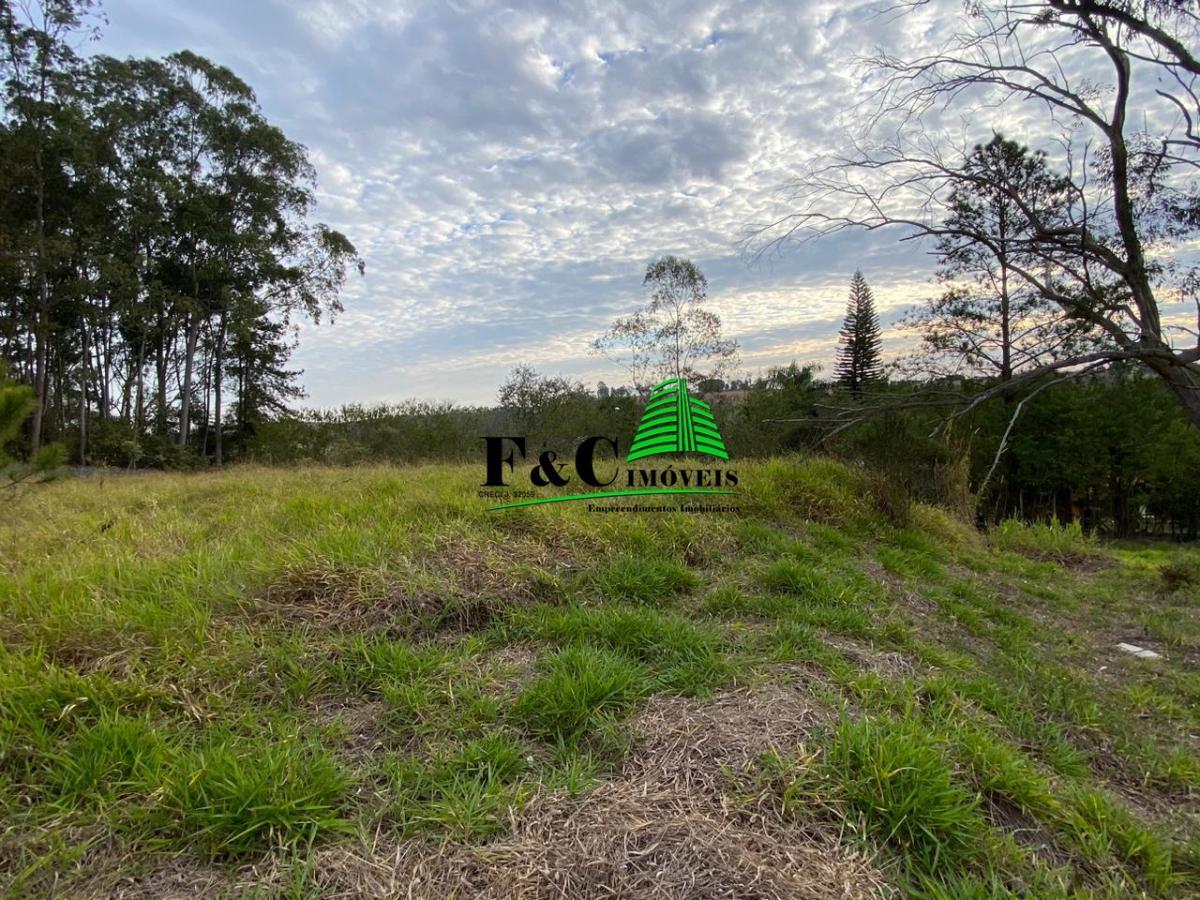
(389, 625)
(460, 587)
(671, 825)
(868, 658)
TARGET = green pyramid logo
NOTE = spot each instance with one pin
(673, 422)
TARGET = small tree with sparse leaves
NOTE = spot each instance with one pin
(673, 335)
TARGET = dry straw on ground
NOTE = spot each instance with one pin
(670, 825)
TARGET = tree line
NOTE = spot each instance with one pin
(155, 249)
(155, 245)
(1074, 257)
(1112, 449)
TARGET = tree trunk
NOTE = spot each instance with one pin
(139, 405)
(104, 367)
(217, 376)
(39, 174)
(60, 403)
(125, 412)
(1006, 370)
(161, 371)
(43, 313)
(83, 398)
(40, 353)
(206, 393)
(185, 389)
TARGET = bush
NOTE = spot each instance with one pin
(906, 464)
(116, 443)
(892, 493)
(16, 405)
(48, 464)
(161, 452)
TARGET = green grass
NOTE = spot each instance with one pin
(579, 690)
(249, 666)
(893, 785)
(235, 796)
(655, 582)
(463, 794)
(681, 655)
(1062, 543)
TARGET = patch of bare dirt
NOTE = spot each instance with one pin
(516, 570)
(898, 588)
(710, 551)
(505, 671)
(182, 879)
(692, 746)
(340, 600)
(626, 843)
(1027, 831)
(361, 726)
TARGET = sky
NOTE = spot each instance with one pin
(507, 171)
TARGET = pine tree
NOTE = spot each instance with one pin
(858, 360)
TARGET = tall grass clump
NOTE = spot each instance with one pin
(238, 797)
(579, 689)
(814, 488)
(466, 793)
(894, 785)
(683, 655)
(1051, 540)
(115, 756)
(654, 582)
(1180, 574)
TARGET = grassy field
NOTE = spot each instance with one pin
(344, 682)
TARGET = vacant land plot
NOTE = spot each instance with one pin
(329, 682)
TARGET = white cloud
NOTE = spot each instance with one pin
(507, 171)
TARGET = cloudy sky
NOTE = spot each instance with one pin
(508, 171)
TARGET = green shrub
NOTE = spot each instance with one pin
(893, 496)
(1180, 573)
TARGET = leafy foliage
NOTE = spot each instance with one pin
(16, 403)
(158, 243)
